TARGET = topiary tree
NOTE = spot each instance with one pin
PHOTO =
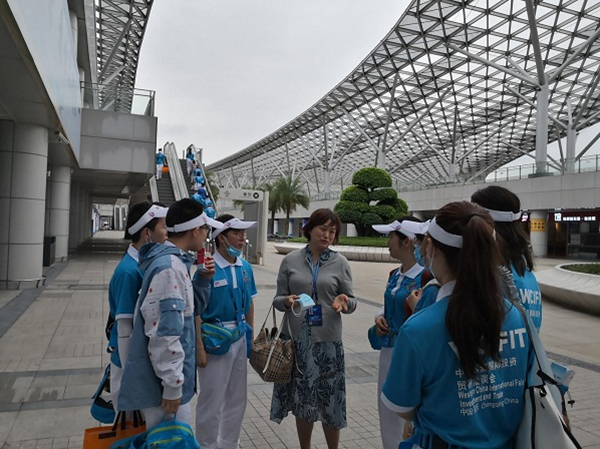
(370, 200)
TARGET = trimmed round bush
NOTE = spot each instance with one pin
(370, 218)
(371, 178)
(355, 193)
(384, 194)
(351, 205)
(387, 213)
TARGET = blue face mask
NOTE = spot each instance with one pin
(233, 252)
(418, 255)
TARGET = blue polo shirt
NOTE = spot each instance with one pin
(190, 156)
(123, 292)
(428, 297)
(231, 281)
(160, 158)
(530, 295)
(398, 287)
(426, 374)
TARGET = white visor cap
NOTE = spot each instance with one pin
(395, 226)
(154, 212)
(194, 223)
(234, 223)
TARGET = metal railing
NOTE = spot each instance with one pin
(180, 190)
(117, 99)
(583, 165)
(153, 189)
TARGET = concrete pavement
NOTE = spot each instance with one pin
(52, 357)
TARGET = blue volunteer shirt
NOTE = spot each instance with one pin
(160, 159)
(425, 374)
(190, 156)
(428, 297)
(398, 288)
(530, 295)
(122, 295)
(237, 278)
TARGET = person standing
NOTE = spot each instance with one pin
(189, 160)
(459, 367)
(317, 390)
(230, 303)
(145, 224)
(401, 283)
(160, 161)
(159, 377)
(517, 257)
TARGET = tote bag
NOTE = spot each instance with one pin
(542, 425)
(272, 357)
(103, 437)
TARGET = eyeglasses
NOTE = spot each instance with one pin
(239, 233)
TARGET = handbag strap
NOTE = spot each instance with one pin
(539, 376)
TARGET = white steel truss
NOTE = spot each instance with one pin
(455, 90)
(120, 28)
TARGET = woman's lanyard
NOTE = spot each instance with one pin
(241, 317)
(315, 274)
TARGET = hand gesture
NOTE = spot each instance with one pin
(413, 298)
(201, 357)
(381, 326)
(289, 301)
(340, 303)
(170, 406)
(209, 267)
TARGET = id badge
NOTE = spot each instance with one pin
(241, 318)
(315, 316)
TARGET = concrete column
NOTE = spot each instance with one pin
(541, 137)
(74, 28)
(73, 216)
(60, 205)
(24, 155)
(539, 233)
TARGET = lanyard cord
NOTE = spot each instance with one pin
(230, 285)
(315, 274)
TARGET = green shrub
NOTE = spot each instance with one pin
(356, 194)
(387, 213)
(588, 268)
(385, 194)
(372, 178)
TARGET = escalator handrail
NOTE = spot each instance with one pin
(180, 190)
(198, 155)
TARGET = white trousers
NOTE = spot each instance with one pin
(159, 168)
(116, 374)
(390, 424)
(155, 415)
(222, 398)
(190, 166)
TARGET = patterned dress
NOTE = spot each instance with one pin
(317, 390)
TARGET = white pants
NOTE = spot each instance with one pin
(222, 398)
(190, 166)
(155, 415)
(159, 168)
(390, 424)
(116, 374)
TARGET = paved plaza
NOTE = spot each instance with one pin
(52, 355)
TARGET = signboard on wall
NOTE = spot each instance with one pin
(538, 225)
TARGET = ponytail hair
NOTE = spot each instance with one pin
(476, 307)
(513, 241)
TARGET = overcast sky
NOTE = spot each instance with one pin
(229, 72)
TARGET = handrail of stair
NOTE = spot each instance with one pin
(198, 155)
(153, 189)
(180, 190)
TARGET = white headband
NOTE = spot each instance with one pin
(154, 212)
(443, 236)
(194, 223)
(502, 216)
(234, 223)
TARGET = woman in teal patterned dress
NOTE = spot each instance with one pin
(317, 391)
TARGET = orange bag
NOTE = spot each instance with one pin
(103, 437)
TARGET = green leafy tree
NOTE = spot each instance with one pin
(289, 195)
(212, 185)
(370, 200)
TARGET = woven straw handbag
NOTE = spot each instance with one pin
(271, 357)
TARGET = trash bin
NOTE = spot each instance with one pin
(49, 250)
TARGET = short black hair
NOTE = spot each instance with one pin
(135, 213)
(223, 218)
(181, 211)
(320, 217)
